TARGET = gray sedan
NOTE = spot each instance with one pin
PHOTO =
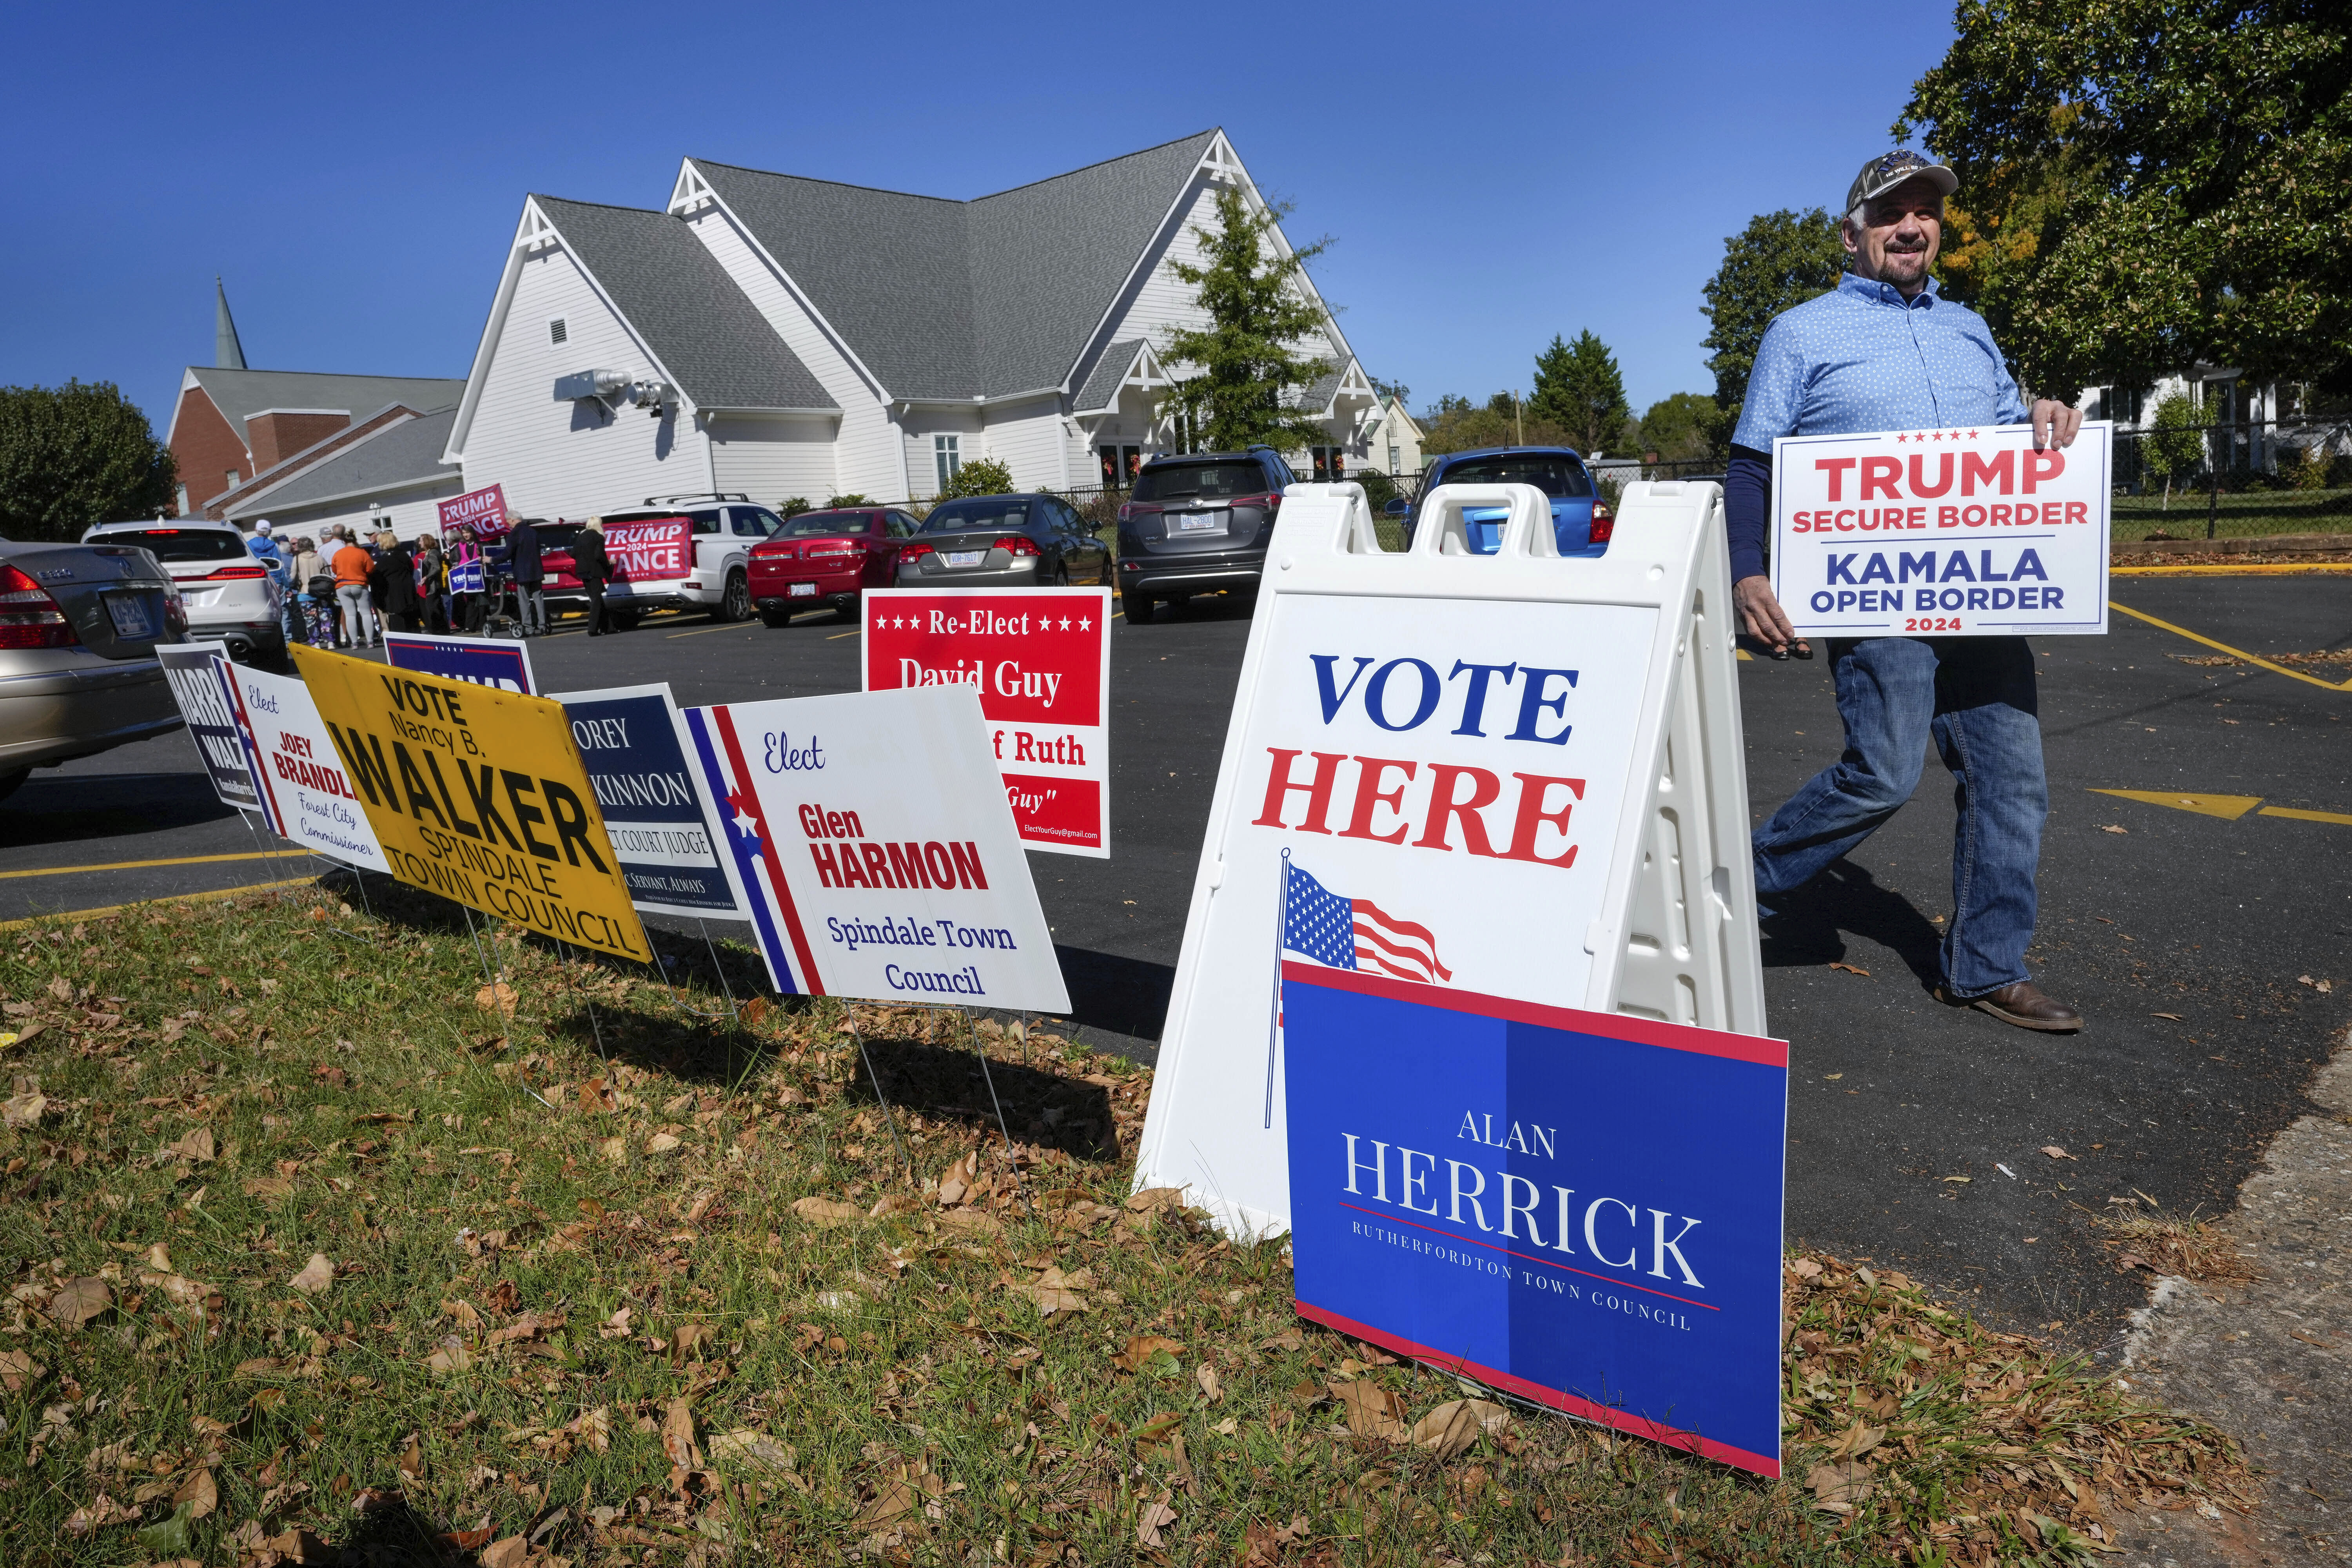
(79, 625)
(1003, 542)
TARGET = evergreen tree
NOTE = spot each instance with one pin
(76, 454)
(1578, 387)
(1246, 365)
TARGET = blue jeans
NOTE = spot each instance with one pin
(1975, 697)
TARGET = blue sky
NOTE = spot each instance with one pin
(1493, 174)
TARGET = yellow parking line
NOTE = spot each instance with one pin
(2234, 652)
(838, 636)
(138, 865)
(168, 899)
(2306, 815)
(2278, 569)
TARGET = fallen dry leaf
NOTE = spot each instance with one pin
(678, 1436)
(661, 1143)
(77, 1302)
(499, 998)
(826, 1211)
(2174, 1017)
(23, 1109)
(1853, 969)
(1054, 1291)
(18, 1370)
(2112, 827)
(1839, 1486)
(316, 1276)
(2055, 1152)
(1140, 1349)
(506, 1554)
(196, 1147)
(1154, 1198)
(957, 1183)
(1453, 1427)
(1206, 1376)
(198, 1489)
(1149, 1521)
(978, 1221)
(753, 1449)
(1371, 1411)
(451, 1355)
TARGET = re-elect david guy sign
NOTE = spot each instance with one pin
(1968, 532)
(1041, 663)
(876, 850)
(1459, 1195)
(477, 794)
(633, 744)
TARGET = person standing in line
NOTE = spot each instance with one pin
(395, 583)
(304, 563)
(267, 550)
(432, 576)
(353, 565)
(594, 569)
(1883, 351)
(518, 558)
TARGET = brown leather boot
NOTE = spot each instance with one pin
(2023, 1004)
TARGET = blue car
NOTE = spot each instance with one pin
(1581, 522)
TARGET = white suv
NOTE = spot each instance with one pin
(228, 590)
(724, 528)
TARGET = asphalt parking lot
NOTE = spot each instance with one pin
(2197, 937)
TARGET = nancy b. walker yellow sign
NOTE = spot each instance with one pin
(478, 795)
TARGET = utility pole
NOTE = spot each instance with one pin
(1518, 428)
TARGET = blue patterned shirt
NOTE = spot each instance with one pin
(1861, 358)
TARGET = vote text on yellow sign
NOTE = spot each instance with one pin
(479, 794)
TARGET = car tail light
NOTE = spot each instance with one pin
(237, 573)
(28, 616)
(1016, 545)
(1603, 524)
(915, 551)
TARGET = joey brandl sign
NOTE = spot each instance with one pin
(479, 794)
(1967, 532)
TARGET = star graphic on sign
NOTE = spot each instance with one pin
(1084, 623)
(747, 821)
(1936, 435)
(1972, 434)
(1900, 439)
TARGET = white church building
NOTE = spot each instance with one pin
(785, 337)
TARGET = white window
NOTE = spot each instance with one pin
(1395, 454)
(556, 331)
(947, 456)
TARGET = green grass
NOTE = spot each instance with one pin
(2250, 513)
(579, 1297)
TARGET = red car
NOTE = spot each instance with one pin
(827, 558)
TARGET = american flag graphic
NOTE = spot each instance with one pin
(1354, 933)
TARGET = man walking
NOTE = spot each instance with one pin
(1883, 351)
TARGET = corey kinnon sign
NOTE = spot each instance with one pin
(1968, 532)
(479, 794)
(876, 850)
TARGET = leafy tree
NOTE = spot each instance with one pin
(792, 506)
(1579, 388)
(2171, 176)
(1681, 428)
(1465, 429)
(74, 455)
(980, 477)
(1256, 310)
(853, 499)
(1391, 389)
(2174, 445)
(1780, 260)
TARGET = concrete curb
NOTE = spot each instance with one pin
(2267, 1362)
(2265, 544)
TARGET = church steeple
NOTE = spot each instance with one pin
(227, 352)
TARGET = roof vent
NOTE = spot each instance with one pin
(556, 332)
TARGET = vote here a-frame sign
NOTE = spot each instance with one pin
(1470, 1002)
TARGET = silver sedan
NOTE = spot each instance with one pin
(1003, 542)
(79, 625)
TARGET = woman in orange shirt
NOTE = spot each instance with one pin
(353, 565)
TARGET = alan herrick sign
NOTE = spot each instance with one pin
(1581, 1208)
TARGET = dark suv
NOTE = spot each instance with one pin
(1198, 523)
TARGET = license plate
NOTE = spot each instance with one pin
(1206, 522)
(801, 590)
(965, 557)
(129, 613)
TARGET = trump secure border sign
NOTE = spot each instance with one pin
(479, 794)
(1972, 532)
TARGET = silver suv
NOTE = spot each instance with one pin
(228, 592)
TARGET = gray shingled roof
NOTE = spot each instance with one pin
(241, 393)
(405, 453)
(943, 299)
(697, 320)
(1111, 369)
